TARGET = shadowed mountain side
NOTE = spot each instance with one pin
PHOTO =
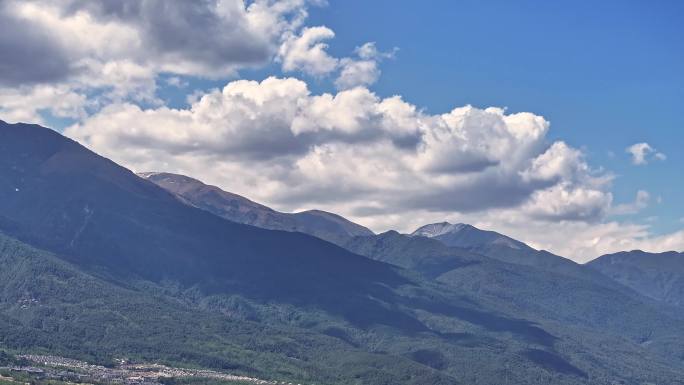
(50, 306)
(427, 256)
(102, 217)
(321, 224)
(58, 195)
(587, 300)
(656, 275)
(553, 362)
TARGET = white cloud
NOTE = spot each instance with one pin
(24, 103)
(354, 153)
(306, 52)
(364, 70)
(641, 153)
(206, 38)
(116, 50)
(381, 161)
(357, 73)
(566, 202)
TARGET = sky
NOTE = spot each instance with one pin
(557, 123)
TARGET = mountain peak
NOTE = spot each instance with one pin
(168, 176)
(466, 236)
(436, 229)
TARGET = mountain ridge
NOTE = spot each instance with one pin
(397, 327)
(465, 235)
(328, 226)
(656, 275)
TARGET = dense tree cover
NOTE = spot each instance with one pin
(62, 310)
(50, 307)
(656, 275)
(575, 294)
(7, 359)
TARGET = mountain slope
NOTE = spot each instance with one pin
(397, 328)
(56, 194)
(585, 300)
(498, 246)
(107, 221)
(50, 306)
(656, 275)
(236, 208)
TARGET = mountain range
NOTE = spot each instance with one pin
(656, 275)
(321, 224)
(99, 263)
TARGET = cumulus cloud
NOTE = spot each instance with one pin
(363, 70)
(20, 42)
(357, 73)
(306, 52)
(381, 161)
(24, 103)
(200, 38)
(116, 50)
(353, 152)
(642, 153)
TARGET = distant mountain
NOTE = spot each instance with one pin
(236, 208)
(466, 236)
(497, 246)
(657, 275)
(59, 196)
(577, 296)
(109, 223)
(99, 262)
(426, 256)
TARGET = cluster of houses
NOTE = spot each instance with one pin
(66, 369)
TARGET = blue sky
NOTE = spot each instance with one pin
(606, 76)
